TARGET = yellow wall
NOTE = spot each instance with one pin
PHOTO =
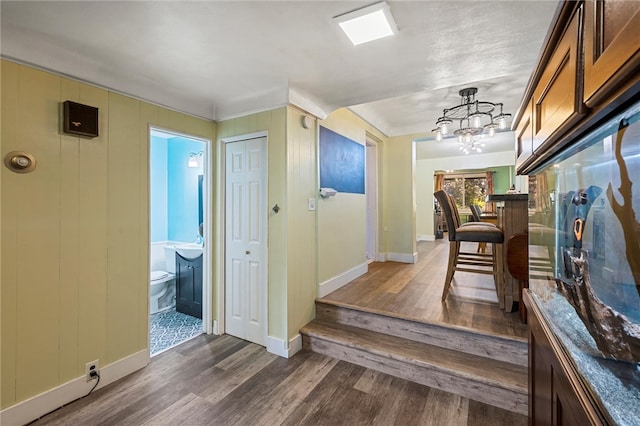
(75, 232)
(400, 195)
(342, 235)
(301, 223)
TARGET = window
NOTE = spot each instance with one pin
(466, 189)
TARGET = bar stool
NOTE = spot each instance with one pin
(478, 216)
(475, 232)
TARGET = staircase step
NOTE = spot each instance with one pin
(490, 381)
(503, 348)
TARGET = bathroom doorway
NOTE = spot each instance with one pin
(180, 223)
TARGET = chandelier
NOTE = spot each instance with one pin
(473, 118)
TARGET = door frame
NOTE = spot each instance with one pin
(371, 182)
(219, 321)
(207, 216)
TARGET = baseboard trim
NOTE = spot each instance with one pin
(295, 345)
(279, 347)
(336, 282)
(33, 408)
(403, 257)
(381, 257)
(425, 237)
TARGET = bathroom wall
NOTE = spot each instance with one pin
(174, 189)
(182, 198)
(74, 233)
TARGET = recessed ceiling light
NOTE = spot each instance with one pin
(367, 24)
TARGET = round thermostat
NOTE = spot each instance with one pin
(20, 161)
(307, 121)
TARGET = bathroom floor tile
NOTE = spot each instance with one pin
(170, 328)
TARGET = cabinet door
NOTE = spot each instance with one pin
(611, 46)
(189, 286)
(557, 99)
(524, 137)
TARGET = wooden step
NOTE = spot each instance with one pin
(490, 381)
(503, 348)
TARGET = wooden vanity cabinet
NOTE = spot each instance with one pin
(189, 286)
(611, 47)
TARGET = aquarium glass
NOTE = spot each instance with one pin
(584, 238)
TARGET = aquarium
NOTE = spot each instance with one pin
(584, 245)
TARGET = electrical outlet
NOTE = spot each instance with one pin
(91, 367)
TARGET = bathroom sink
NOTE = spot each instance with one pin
(189, 251)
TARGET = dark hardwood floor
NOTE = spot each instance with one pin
(222, 380)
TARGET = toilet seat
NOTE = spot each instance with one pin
(158, 275)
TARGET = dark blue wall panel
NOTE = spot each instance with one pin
(341, 163)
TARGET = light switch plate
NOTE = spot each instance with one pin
(311, 204)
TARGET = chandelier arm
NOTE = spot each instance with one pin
(468, 108)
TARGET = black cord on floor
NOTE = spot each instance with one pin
(93, 373)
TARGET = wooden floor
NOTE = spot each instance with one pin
(414, 291)
(221, 380)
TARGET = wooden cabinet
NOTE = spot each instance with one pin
(524, 136)
(512, 219)
(557, 98)
(611, 46)
(590, 65)
(556, 394)
(189, 286)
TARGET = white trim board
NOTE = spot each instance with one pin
(279, 347)
(425, 237)
(33, 408)
(336, 282)
(402, 257)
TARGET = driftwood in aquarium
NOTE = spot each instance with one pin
(615, 335)
(624, 212)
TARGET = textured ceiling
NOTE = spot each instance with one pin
(218, 59)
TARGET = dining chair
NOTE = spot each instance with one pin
(475, 232)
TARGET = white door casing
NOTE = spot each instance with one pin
(371, 191)
(246, 239)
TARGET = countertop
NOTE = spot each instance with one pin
(507, 197)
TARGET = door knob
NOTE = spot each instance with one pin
(247, 252)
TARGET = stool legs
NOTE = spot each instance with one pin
(454, 248)
(498, 273)
(496, 265)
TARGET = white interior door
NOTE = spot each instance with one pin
(246, 240)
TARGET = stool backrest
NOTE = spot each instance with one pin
(475, 212)
(448, 206)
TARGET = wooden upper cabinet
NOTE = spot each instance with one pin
(611, 46)
(524, 136)
(557, 98)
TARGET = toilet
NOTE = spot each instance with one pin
(162, 286)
